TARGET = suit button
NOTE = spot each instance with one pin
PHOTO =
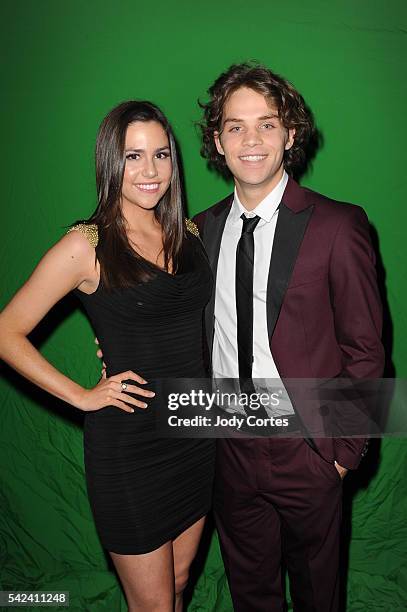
(324, 411)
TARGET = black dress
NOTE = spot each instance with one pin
(146, 490)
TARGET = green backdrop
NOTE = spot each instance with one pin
(63, 66)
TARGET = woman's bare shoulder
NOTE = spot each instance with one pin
(77, 246)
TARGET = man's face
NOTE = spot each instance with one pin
(253, 141)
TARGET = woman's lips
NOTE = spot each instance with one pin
(148, 187)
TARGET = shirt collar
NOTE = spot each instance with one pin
(266, 208)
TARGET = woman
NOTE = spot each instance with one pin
(144, 280)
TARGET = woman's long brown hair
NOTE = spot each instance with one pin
(120, 265)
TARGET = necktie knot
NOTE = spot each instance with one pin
(249, 223)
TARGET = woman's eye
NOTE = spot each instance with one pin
(133, 156)
(162, 155)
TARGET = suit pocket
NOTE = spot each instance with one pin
(331, 470)
(297, 282)
(323, 468)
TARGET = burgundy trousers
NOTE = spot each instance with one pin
(277, 499)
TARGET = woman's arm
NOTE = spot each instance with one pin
(67, 265)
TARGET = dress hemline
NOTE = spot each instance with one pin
(129, 550)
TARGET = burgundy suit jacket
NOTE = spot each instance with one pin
(324, 313)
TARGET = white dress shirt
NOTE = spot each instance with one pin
(225, 353)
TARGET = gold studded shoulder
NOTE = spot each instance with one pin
(192, 227)
(90, 231)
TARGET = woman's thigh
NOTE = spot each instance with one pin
(148, 579)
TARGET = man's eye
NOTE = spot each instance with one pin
(268, 126)
(235, 128)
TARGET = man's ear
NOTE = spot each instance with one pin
(219, 148)
(290, 139)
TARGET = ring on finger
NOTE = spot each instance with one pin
(123, 386)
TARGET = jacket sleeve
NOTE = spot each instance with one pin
(357, 318)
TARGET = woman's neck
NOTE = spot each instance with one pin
(139, 219)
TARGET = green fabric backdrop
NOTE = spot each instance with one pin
(63, 66)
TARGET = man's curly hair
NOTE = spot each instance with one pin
(291, 107)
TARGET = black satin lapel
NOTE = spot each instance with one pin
(212, 237)
(289, 233)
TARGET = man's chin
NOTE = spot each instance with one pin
(265, 183)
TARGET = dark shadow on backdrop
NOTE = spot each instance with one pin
(360, 479)
(59, 313)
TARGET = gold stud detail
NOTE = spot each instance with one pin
(90, 231)
(192, 227)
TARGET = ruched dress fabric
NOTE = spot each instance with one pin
(145, 490)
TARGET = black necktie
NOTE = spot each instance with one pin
(244, 310)
(244, 300)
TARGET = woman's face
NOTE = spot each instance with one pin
(148, 168)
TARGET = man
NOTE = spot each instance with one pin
(296, 297)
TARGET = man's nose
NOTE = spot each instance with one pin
(252, 137)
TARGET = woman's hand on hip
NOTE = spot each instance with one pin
(113, 391)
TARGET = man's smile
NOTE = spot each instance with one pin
(252, 158)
